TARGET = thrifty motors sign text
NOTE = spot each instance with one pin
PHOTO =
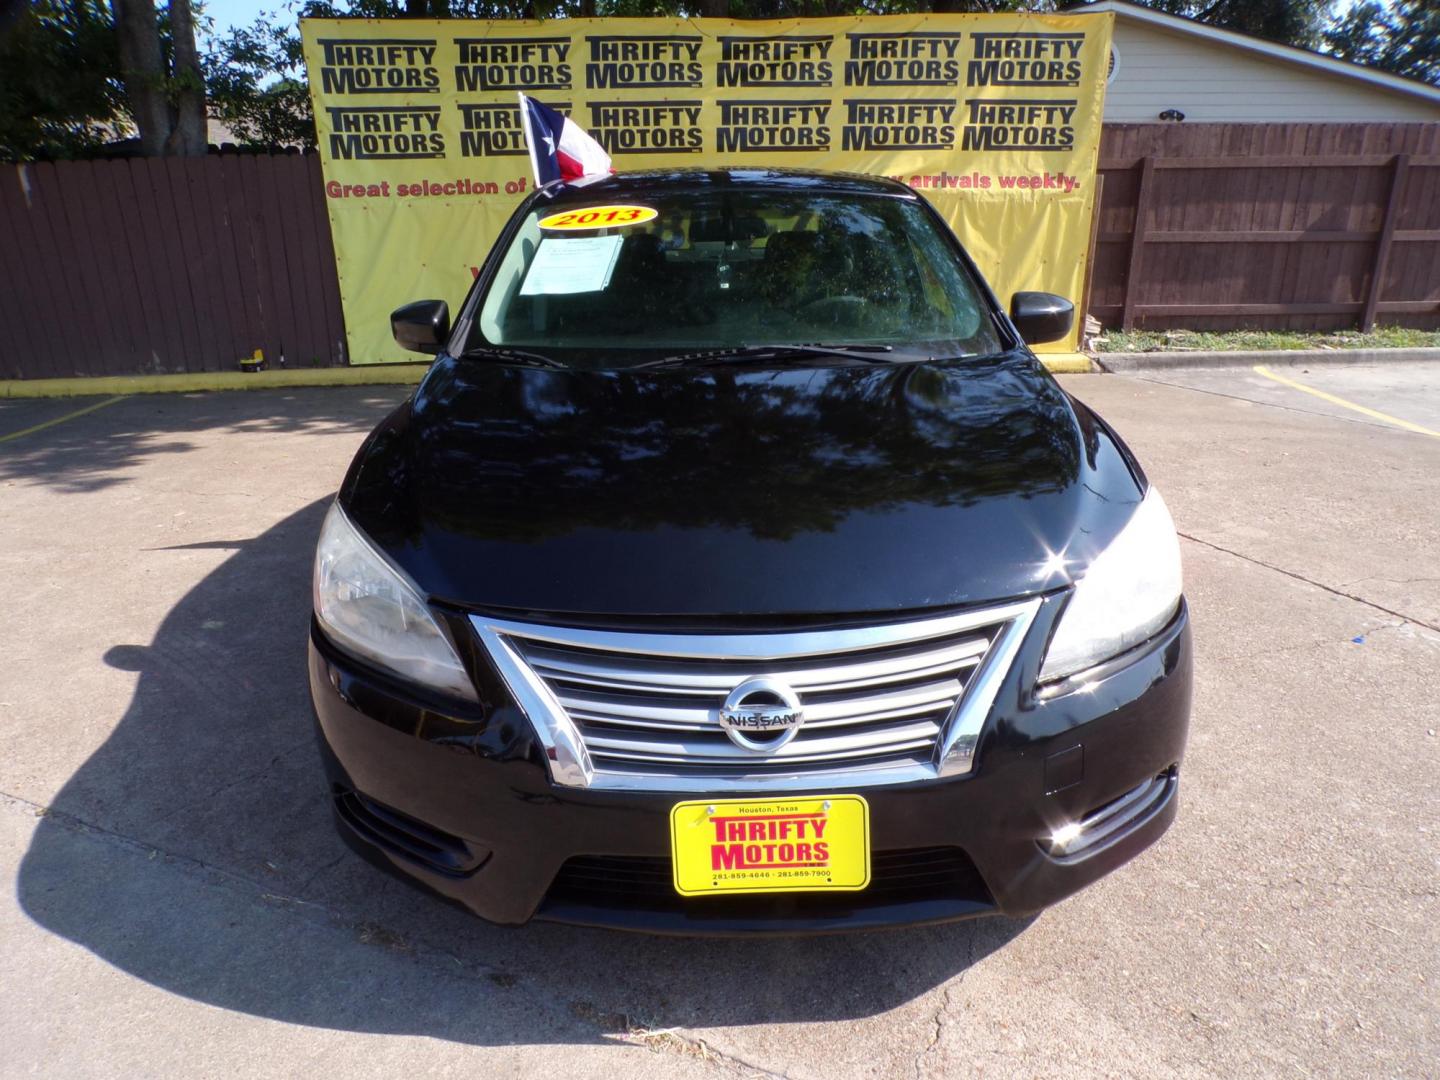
(995, 117)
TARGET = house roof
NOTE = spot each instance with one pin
(1287, 54)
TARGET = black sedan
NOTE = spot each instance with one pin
(737, 568)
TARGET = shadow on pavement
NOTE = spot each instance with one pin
(95, 451)
(214, 764)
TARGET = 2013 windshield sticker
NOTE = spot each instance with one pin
(599, 217)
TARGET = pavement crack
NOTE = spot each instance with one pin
(310, 878)
(676, 1041)
(78, 825)
(938, 1023)
(947, 1000)
(1262, 404)
(302, 744)
(1334, 591)
(1391, 581)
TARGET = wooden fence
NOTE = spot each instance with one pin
(164, 265)
(1274, 226)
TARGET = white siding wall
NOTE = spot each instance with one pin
(1217, 82)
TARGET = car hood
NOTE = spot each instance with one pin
(734, 491)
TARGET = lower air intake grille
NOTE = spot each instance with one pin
(404, 836)
(1109, 824)
(643, 883)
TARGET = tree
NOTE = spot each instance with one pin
(255, 83)
(164, 87)
(46, 109)
(1402, 37)
(1289, 22)
(187, 85)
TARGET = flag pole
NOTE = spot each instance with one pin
(528, 128)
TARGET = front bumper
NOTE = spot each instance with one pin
(458, 798)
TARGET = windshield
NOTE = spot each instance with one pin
(645, 277)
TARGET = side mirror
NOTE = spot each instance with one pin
(1041, 316)
(422, 326)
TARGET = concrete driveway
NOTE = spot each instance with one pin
(180, 905)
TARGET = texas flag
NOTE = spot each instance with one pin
(559, 149)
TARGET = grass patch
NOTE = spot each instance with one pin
(1382, 337)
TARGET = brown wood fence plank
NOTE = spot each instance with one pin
(53, 277)
(1285, 161)
(264, 232)
(336, 344)
(286, 261)
(300, 335)
(197, 254)
(1091, 252)
(1429, 307)
(167, 176)
(247, 193)
(1382, 246)
(1263, 236)
(75, 189)
(1349, 261)
(1143, 193)
(1295, 284)
(1287, 309)
(219, 292)
(114, 245)
(275, 250)
(300, 259)
(78, 280)
(132, 184)
(27, 317)
(316, 230)
(165, 295)
(250, 314)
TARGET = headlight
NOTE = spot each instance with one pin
(370, 608)
(1130, 592)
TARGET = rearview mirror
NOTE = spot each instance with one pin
(422, 326)
(1041, 316)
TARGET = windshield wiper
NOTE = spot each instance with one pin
(522, 356)
(741, 354)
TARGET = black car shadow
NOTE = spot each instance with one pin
(195, 851)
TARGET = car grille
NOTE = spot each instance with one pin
(639, 710)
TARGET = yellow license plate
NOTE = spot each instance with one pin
(814, 844)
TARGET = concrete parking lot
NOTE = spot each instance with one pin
(178, 902)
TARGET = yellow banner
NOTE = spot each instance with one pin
(994, 118)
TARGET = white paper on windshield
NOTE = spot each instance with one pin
(571, 264)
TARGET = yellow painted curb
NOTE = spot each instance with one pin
(197, 382)
(1067, 363)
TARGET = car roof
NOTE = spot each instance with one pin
(655, 181)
